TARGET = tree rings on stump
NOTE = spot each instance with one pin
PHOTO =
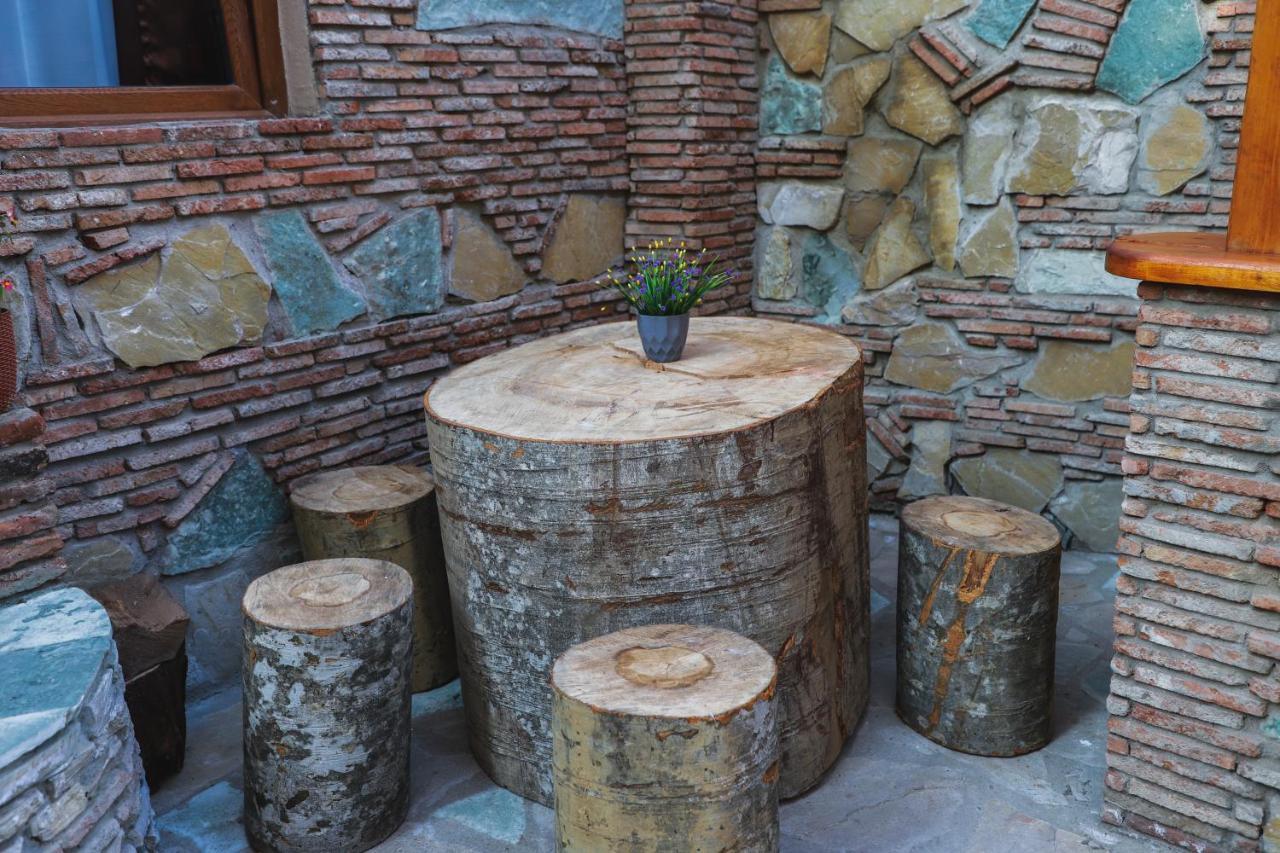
(584, 489)
(327, 649)
(665, 738)
(977, 617)
(386, 512)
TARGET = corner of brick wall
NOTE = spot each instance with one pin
(691, 131)
(1193, 742)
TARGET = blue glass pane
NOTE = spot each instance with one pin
(57, 43)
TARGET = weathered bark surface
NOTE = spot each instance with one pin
(326, 705)
(386, 512)
(977, 615)
(618, 503)
(665, 738)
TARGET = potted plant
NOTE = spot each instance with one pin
(664, 284)
(8, 344)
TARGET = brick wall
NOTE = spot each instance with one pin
(102, 465)
(1194, 735)
(692, 127)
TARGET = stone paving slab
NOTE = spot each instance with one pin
(892, 790)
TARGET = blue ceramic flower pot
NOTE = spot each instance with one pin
(663, 337)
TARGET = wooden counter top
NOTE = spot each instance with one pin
(1197, 258)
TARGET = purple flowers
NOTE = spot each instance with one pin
(669, 281)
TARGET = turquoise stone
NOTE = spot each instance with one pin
(1156, 42)
(828, 277)
(313, 296)
(401, 267)
(598, 17)
(787, 105)
(52, 647)
(242, 510)
(997, 21)
(1271, 727)
(209, 822)
(497, 814)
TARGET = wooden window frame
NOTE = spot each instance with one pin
(259, 90)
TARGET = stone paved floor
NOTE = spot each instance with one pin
(892, 790)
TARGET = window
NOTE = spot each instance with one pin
(85, 61)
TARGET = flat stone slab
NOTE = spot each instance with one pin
(240, 511)
(997, 21)
(52, 647)
(787, 105)
(588, 238)
(1072, 372)
(800, 205)
(483, 266)
(598, 17)
(205, 296)
(401, 267)
(1157, 41)
(1026, 480)
(1070, 272)
(308, 286)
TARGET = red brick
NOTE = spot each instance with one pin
(339, 175)
(41, 545)
(111, 136)
(18, 425)
(220, 167)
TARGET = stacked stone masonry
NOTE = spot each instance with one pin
(939, 179)
(1194, 736)
(207, 310)
(70, 772)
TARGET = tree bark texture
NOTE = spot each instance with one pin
(977, 616)
(386, 512)
(665, 738)
(589, 491)
(326, 705)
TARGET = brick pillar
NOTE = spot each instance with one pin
(691, 129)
(1194, 735)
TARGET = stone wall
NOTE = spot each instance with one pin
(1194, 735)
(210, 309)
(70, 771)
(939, 179)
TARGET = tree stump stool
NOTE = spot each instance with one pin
(584, 489)
(386, 512)
(326, 704)
(977, 615)
(665, 738)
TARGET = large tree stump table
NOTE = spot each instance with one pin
(583, 490)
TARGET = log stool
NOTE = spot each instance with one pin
(326, 704)
(386, 512)
(665, 738)
(977, 615)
